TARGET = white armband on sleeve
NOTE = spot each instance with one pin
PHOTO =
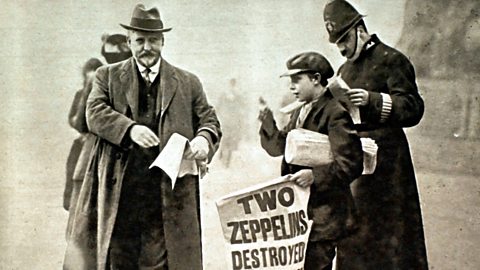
(386, 107)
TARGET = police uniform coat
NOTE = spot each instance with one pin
(390, 234)
(331, 204)
(112, 108)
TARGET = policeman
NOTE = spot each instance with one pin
(382, 84)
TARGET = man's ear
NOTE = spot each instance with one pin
(362, 33)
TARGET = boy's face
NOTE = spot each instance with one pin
(302, 87)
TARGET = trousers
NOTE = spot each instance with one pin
(138, 240)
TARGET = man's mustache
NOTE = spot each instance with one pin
(147, 53)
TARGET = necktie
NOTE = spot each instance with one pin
(303, 114)
(147, 77)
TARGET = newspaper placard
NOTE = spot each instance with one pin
(266, 226)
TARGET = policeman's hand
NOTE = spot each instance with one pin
(303, 178)
(268, 122)
(143, 136)
(358, 96)
(199, 148)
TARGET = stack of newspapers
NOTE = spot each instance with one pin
(308, 148)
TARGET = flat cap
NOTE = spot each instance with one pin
(309, 62)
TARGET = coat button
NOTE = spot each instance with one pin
(118, 156)
(113, 181)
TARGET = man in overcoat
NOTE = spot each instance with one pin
(382, 82)
(127, 216)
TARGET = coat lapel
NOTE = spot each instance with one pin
(316, 107)
(129, 80)
(168, 87)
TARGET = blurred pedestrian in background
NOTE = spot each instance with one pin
(231, 110)
(114, 49)
(76, 119)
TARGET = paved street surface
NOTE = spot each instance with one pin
(32, 221)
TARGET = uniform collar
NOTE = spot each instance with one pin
(371, 42)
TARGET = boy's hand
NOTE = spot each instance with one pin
(268, 122)
(303, 178)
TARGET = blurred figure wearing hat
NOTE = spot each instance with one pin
(331, 203)
(128, 216)
(383, 85)
(114, 49)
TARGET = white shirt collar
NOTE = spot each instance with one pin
(154, 70)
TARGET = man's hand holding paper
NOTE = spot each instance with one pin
(198, 149)
(354, 97)
(358, 96)
(180, 157)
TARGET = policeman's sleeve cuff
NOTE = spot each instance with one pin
(386, 107)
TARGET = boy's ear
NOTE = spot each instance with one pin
(318, 78)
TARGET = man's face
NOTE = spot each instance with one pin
(146, 47)
(302, 87)
(348, 44)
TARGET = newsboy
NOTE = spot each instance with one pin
(331, 204)
(383, 86)
(128, 217)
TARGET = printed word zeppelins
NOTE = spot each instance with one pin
(268, 228)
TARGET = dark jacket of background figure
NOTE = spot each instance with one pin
(331, 204)
(111, 111)
(79, 153)
(390, 235)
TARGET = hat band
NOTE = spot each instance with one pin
(146, 23)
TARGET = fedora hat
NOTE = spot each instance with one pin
(147, 20)
(340, 17)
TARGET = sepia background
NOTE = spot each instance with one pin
(238, 49)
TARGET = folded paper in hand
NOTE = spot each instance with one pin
(292, 107)
(309, 148)
(338, 87)
(172, 159)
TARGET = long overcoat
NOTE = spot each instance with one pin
(390, 234)
(112, 108)
(331, 204)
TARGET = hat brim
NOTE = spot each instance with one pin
(128, 27)
(291, 72)
(352, 25)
